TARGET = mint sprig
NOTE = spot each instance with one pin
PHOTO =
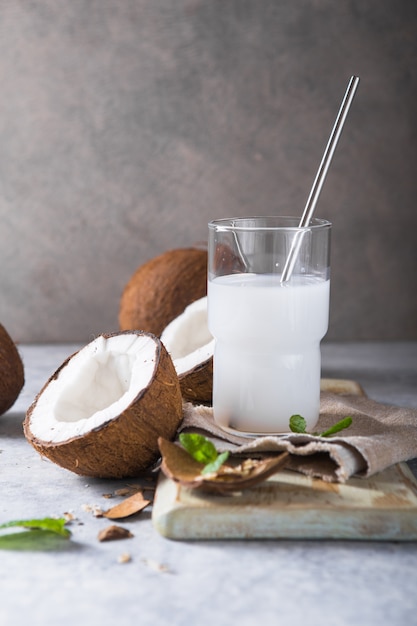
(37, 534)
(203, 451)
(298, 425)
(52, 524)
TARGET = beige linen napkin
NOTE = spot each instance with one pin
(380, 436)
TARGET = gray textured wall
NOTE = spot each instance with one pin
(125, 125)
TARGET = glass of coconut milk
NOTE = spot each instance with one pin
(267, 330)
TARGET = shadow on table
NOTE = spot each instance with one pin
(37, 541)
(11, 424)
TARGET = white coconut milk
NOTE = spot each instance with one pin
(267, 350)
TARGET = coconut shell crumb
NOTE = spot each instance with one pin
(125, 491)
(156, 566)
(94, 509)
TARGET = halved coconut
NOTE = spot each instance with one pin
(12, 376)
(161, 288)
(190, 344)
(103, 410)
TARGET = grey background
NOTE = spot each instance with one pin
(126, 125)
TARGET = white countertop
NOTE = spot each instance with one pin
(204, 582)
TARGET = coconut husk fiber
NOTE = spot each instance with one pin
(379, 436)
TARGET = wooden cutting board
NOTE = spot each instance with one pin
(290, 505)
(293, 506)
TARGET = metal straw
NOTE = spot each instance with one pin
(320, 176)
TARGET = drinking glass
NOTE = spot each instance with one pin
(267, 323)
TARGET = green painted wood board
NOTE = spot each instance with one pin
(290, 505)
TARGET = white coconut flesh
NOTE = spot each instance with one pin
(188, 339)
(95, 386)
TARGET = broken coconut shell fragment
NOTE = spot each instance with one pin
(178, 465)
(12, 375)
(113, 533)
(103, 410)
(161, 288)
(190, 344)
(129, 506)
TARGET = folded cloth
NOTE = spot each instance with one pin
(379, 436)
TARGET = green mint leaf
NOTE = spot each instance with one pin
(215, 465)
(204, 451)
(344, 423)
(51, 524)
(200, 448)
(297, 424)
(39, 534)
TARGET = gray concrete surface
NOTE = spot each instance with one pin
(179, 583)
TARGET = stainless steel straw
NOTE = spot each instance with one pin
(320, 176)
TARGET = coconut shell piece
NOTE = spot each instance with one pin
(197, 384)
(129, 506)
(178, 465)
(161, 288)
(73, 422)
(112, 533)
(12, 375)
(226, 261)
(190, 344)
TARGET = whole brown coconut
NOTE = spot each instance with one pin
(12, 375)
(103, 410)
(161, 288)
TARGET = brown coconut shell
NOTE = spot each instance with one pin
(197, 384)
(128, 444)
(226, 261)
(161, 288)
(12, 376)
